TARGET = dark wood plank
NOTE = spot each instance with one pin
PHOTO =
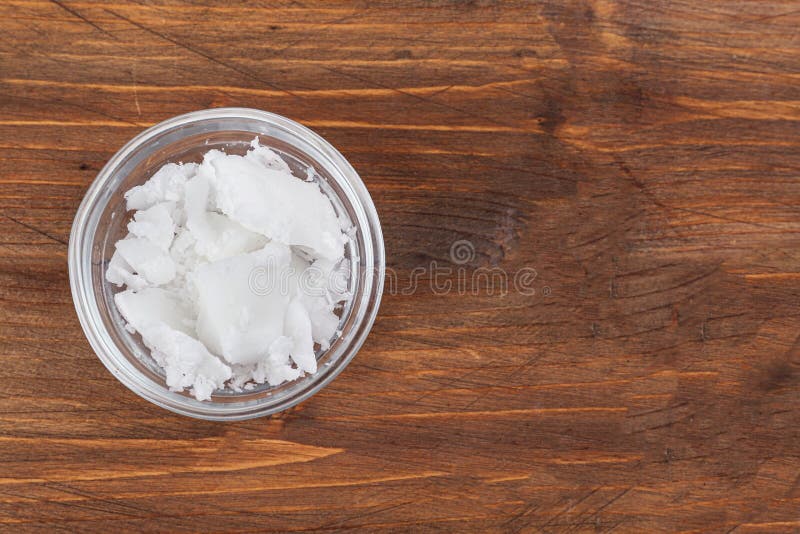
(640, 156)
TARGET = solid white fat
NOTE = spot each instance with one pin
(274, 203)
(233, 270)
(186, 362)
(298, 329)
(240, 309)
(120, 273)
(217, 236)
(323, 321)
(167, 184)
(149, 260)
(153, 305)
(155, 224)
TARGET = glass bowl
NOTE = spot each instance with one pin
(101, 220)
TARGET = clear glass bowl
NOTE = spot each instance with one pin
(101, 220)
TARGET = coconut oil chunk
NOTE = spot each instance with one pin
(233, 272)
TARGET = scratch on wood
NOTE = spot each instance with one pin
(201, 53)
(34, 229)
(77, 14)
(572, 506)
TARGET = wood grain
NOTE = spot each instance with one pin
(642, 157)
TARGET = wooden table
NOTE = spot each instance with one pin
(637, 162)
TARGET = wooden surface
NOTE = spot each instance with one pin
(641, 156)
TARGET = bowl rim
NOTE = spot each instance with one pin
(110, 354)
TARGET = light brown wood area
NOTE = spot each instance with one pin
(642, 156)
